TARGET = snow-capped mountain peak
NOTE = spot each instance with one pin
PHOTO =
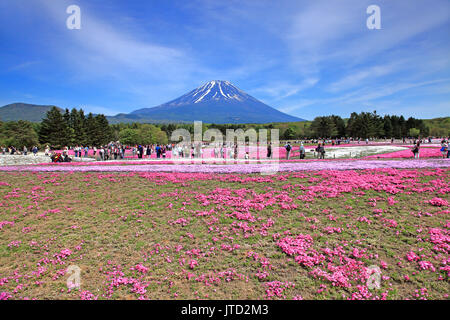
(216, 101)
(216, 90)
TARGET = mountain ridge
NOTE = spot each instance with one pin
(24, 111)
(216, 101)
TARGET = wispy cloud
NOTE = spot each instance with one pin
(358, 77)
(278, 91)
(304, 57)
(23, 65)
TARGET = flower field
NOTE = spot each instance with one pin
(139, 233)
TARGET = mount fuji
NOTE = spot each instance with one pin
(214, 102)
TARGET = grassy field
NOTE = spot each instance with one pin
(218, 236)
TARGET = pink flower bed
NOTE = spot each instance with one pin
(243, 168)
(425, 152)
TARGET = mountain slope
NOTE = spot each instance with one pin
(216, 102)
(23, 111)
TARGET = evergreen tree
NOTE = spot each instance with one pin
(289, 134)
(52, 129)
(91, 130)
(340, 125)
(324, 127)
(69, 132)
(77, 123)
(18, 134)
(387, 126)
(402, 125)
(103, 131)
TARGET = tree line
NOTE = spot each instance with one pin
(368, 125)
(73, 127)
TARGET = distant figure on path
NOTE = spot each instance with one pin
(416, 150)
(269, 150)
(25, 150)
(302, 151)
(444, 149)
(321, 151)
(158, 151)
(288, 148)
(35, 150)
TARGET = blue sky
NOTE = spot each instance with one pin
(305, 58)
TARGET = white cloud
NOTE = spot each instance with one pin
(282, 90)
(325, 32)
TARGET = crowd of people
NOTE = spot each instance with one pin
(117, 150)
(13, 150)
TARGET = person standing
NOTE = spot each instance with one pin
(25, 150)
(444, 148)
(302, 151)
(416, 150)
(321, 151)
(269, 150)
(288, 148)
(35, 150)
